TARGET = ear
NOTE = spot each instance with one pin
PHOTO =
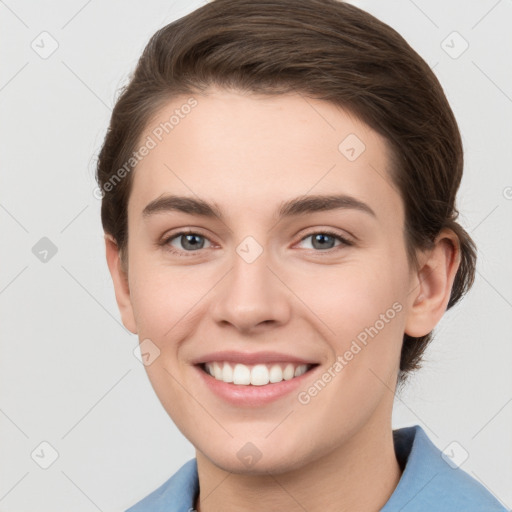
(433, 283)
(120, 280)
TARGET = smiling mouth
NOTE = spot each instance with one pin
(254, 375)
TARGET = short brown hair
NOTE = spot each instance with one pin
(324, 49)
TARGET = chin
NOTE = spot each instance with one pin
(256, 458)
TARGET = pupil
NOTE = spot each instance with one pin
(190, 240)
(322, 238)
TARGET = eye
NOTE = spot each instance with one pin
(325, 240)
(185, 241)
(190, 241)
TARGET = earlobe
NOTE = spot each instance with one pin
(121, 285)
(433, 284)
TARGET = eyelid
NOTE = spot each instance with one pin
(345, 241)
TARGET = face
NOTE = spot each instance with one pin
(265, 275)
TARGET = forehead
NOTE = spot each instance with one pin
(251, 152)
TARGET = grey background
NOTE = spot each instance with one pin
(68, 374)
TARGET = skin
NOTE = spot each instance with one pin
(248, 154)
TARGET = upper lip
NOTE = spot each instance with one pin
(250, 358)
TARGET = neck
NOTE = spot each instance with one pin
(359, 475)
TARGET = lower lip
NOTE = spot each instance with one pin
(249, 395)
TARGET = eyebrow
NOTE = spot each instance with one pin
(293, 207)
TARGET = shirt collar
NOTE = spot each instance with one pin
(428, 482)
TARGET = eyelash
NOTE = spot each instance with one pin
(185, 254)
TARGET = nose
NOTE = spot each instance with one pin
(252, 296)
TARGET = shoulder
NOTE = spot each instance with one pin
(178, 493)
(432, 481)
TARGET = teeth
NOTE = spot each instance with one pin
(227, 373)
(276, 374)
(300, 370)
(289, 372)
(257, 375)
(217, 371)
(241, 375)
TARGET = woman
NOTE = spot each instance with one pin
(279, 183)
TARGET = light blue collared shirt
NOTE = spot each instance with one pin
(428, 483)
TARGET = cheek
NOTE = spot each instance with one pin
(166, 301)
(167, 304)
(362, 306)
(353, 294)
